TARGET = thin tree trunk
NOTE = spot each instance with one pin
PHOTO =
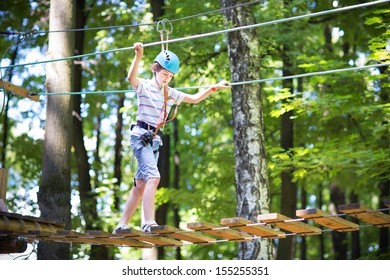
(355, 235)
(251, 163)
(88, 203)
(322, 250)
(384, 186)
(157, 7)
(337, 197)
(6, 119)
(54, 191)
(289, 188)
(118, 151)
(303, 241)
(164, 167)
(176, 179)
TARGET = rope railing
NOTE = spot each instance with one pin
(203, 35)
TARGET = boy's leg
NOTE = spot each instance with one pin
(148, 199)
(133, 201)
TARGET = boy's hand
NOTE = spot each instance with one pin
(222, 84)
(139, 50)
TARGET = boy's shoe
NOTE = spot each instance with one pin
(120, 228)
(148, 226)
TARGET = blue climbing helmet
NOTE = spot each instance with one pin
(168, 60)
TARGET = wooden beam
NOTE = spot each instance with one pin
(252, 228)
(153, 239)
(189, 236)
(21, 225)
(216, 230)
(327, 220)
(18, 90)
(98, 236)
(3, 189)
(288, 224)
(3, 183)
(366, 214)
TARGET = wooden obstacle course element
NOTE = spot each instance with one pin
(221, 232)
(114, 240)
(20, 225)
(150, 238)
(252, 228)
(237, 229)
(18, 90)
(327, 220)
(189, 236)
(3, 189)
(289, 224)
(365, 214)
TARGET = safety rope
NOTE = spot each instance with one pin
(203, 35)
(237, 83)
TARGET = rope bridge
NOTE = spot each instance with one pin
(236, 229)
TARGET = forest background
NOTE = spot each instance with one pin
(326, 136)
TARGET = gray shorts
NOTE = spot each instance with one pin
(147, 157)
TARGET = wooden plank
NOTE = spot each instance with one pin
(3, 189)
(113, 239)
(154, 239)
(32, 219)
(189, 236)
(216, 230)
(62, 236)
(365, 214)
(18, 90)
(97, 238)
(327, 220)
(288, 224)
(22, 225)
(252, 228)
(3, 183)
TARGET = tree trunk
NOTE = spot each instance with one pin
(164, 167)
(355, 235)
(303, 251)
(157, 9)
(322, 251)
(251, 163)
(176, 179)
(337, 197)
(163, 163)
(54, 191)
(6, 119)
(384, 186)
(289, 188)
(118, 151)
(88, 203)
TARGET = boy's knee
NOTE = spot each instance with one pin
(153, 182)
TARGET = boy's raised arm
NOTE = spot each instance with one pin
(133, 71)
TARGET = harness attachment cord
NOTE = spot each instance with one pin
(165, 26)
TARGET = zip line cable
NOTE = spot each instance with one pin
(234, 83)
(207, 34)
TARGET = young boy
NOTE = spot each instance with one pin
(155, 99)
